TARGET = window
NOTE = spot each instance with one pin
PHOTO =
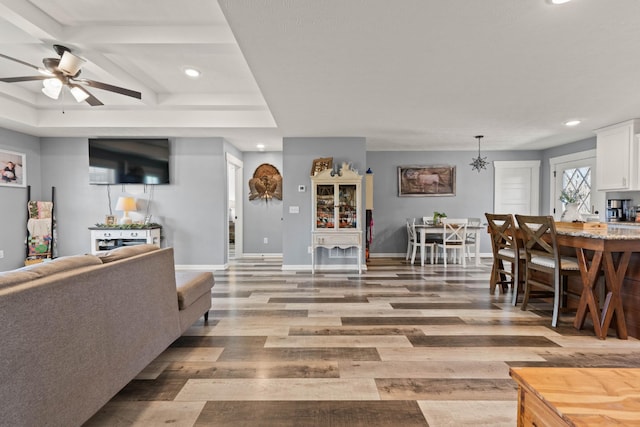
(578, 180)
(576, 172)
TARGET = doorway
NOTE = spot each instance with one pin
(234, 207)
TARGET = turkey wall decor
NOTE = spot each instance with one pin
(266, 183)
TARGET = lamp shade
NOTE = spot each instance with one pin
(126, 204)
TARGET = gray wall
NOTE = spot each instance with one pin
(262, 219)
(192, 209)
(13, 200)
(474, 192)
(298, 155)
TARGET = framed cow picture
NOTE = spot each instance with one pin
(420, 181)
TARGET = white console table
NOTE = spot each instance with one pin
(104, 239)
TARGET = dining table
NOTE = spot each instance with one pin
(608, 250)
(425, 229)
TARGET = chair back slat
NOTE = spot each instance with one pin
(502, 228)
(454, 230)
(411, 231)
(539, 234)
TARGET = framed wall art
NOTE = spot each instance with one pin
(12, 169)
(421, 181)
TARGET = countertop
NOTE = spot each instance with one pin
(614, 231)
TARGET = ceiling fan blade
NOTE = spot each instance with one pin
(19, 61)
(23, 79)
(111, 88)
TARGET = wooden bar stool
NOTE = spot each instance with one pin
(506, 248)
(543, 255)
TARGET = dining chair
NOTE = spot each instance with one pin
(454, 236)
(413, 239)
(506, 247)
(430, 237)
(543, 256)
(471, 237)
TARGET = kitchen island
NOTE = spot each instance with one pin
(614, 251)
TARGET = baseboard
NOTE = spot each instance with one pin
(249, 255)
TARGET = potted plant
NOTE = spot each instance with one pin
(437, 217)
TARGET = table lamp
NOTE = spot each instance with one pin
(126, 204)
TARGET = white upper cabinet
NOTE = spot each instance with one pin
(617, 157)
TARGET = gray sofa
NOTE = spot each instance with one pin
(77, 329)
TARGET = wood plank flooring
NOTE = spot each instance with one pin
(399, 345)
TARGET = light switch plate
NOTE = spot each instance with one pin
(294, 209)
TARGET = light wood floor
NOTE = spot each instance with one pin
(399, 345)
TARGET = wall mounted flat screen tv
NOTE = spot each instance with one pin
(128, 161)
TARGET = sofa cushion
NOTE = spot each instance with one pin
(126, 252)
(46, 268)
(15, 277)
(191, 286)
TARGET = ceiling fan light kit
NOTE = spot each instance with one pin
(52, 87)
(79, 94)
(64, 71)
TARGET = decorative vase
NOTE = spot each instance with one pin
(571, 213)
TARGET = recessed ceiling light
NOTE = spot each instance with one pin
(572, 123)
(559, 1)
(260, 147)
(192, 72)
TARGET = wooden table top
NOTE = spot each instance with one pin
(586, 396)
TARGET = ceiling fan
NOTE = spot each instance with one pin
(64, 71)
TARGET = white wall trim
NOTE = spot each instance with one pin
(515, 163)
(239, 226)
(256, 255)
(581, 155)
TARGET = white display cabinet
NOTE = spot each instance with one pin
(336, 207)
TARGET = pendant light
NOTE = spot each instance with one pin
(479, 162)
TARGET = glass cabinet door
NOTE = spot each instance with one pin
(347, 206)
(325, 202)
